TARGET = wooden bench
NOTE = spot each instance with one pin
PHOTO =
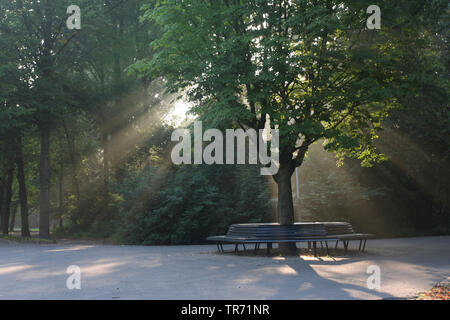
(269, 233)
(344, 231)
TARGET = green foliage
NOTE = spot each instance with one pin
(312, 67)
(193, 203)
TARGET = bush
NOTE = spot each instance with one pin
(193, 203)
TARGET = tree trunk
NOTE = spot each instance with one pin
(61, 197)
(285, 209)
(13, 217)
(22, 190)
(107, 163)
(73, 159)
(44, 183)
(7, 207)
(2, 199)
(106, 167)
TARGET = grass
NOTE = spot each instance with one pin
(20, 239)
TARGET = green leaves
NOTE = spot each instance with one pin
(306, 65)
(195, 202)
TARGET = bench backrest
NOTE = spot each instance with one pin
(276, 231)
(296, 230)
(338, 228)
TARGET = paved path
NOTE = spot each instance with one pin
(30, 271)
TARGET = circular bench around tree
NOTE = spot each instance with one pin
(311, 232)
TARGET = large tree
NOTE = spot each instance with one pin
(42, 43)
(13, 115)
(311, 68)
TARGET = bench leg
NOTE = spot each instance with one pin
(269, 246)
(256, 248)
(315, 248)
(326, 245)
(364, 245)
(218, 247)
(221, 247)
(337, 242)
(345, 246)
(245, 249)
(309, 245)
(360, 244)
(236, 247)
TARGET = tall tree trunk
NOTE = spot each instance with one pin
(285, 208)
(106, 160)
(7, 206)
(22, 189)
(2, 200)
(73, 160)
(13, 217)
(61, 197)
(44, 182)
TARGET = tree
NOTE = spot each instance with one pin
(13, 116)
(39, 39)
(25, 231)
(7, 205)
(309, 68)
(45, 63)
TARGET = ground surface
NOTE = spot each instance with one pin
(408, 267)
